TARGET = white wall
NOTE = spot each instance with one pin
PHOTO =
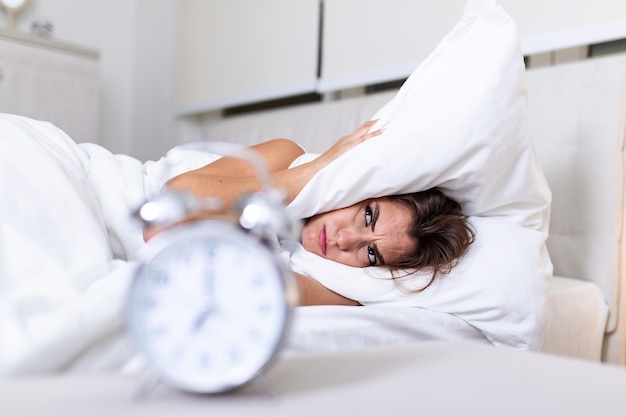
(136, 42)
(154, 122)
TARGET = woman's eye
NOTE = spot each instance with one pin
(368, 216)
(371, 256)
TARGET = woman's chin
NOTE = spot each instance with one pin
(309, 242)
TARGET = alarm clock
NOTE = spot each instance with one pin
(211, 302)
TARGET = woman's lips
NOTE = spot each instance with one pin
(323, 245)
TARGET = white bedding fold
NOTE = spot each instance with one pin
(66, 233)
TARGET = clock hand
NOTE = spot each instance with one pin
(209, 277)
(208, 287)
(198, 322)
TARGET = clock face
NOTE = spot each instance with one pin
(209, 309)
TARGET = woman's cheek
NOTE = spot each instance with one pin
(309, 239)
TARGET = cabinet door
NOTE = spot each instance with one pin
(550, 25)
(232, 52)
(371, 41)
(52, 85)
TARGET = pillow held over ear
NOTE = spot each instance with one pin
(458, 123)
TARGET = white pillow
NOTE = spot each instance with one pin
(458, 123)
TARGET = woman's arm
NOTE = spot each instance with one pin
(311, 292)
(208, 181)
(277, 154)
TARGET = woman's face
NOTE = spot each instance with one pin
(373, 232)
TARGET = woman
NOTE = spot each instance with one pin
(421, 230)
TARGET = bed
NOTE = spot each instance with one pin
(519, 140)
(576, 115)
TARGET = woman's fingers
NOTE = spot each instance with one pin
(361, 134)
(364, 133)
(370, 135)
(365, 127)
(345, 143)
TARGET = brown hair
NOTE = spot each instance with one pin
(441, 231)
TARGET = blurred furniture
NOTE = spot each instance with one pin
(578, 116)
(234, 53)
(50, 80)
(430, 378)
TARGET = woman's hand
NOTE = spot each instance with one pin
(348, 142)
(228, 187)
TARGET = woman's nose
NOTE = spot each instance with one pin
(348, 239)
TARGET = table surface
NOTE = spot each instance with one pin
(427, 378)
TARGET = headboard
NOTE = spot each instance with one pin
(578, 114)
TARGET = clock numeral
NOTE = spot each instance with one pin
(177, 353)
(156, 331)
(205, 361)
(257, 281)
(157, 276)
(178, 252)
(147, 303)
(254, 335)
(161, 278)
(235, 356)
(210, 248)
(265, 308)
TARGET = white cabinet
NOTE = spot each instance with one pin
(373, 41)
(236, 52)
(50, 80)
(233, 52)
(546, 26)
